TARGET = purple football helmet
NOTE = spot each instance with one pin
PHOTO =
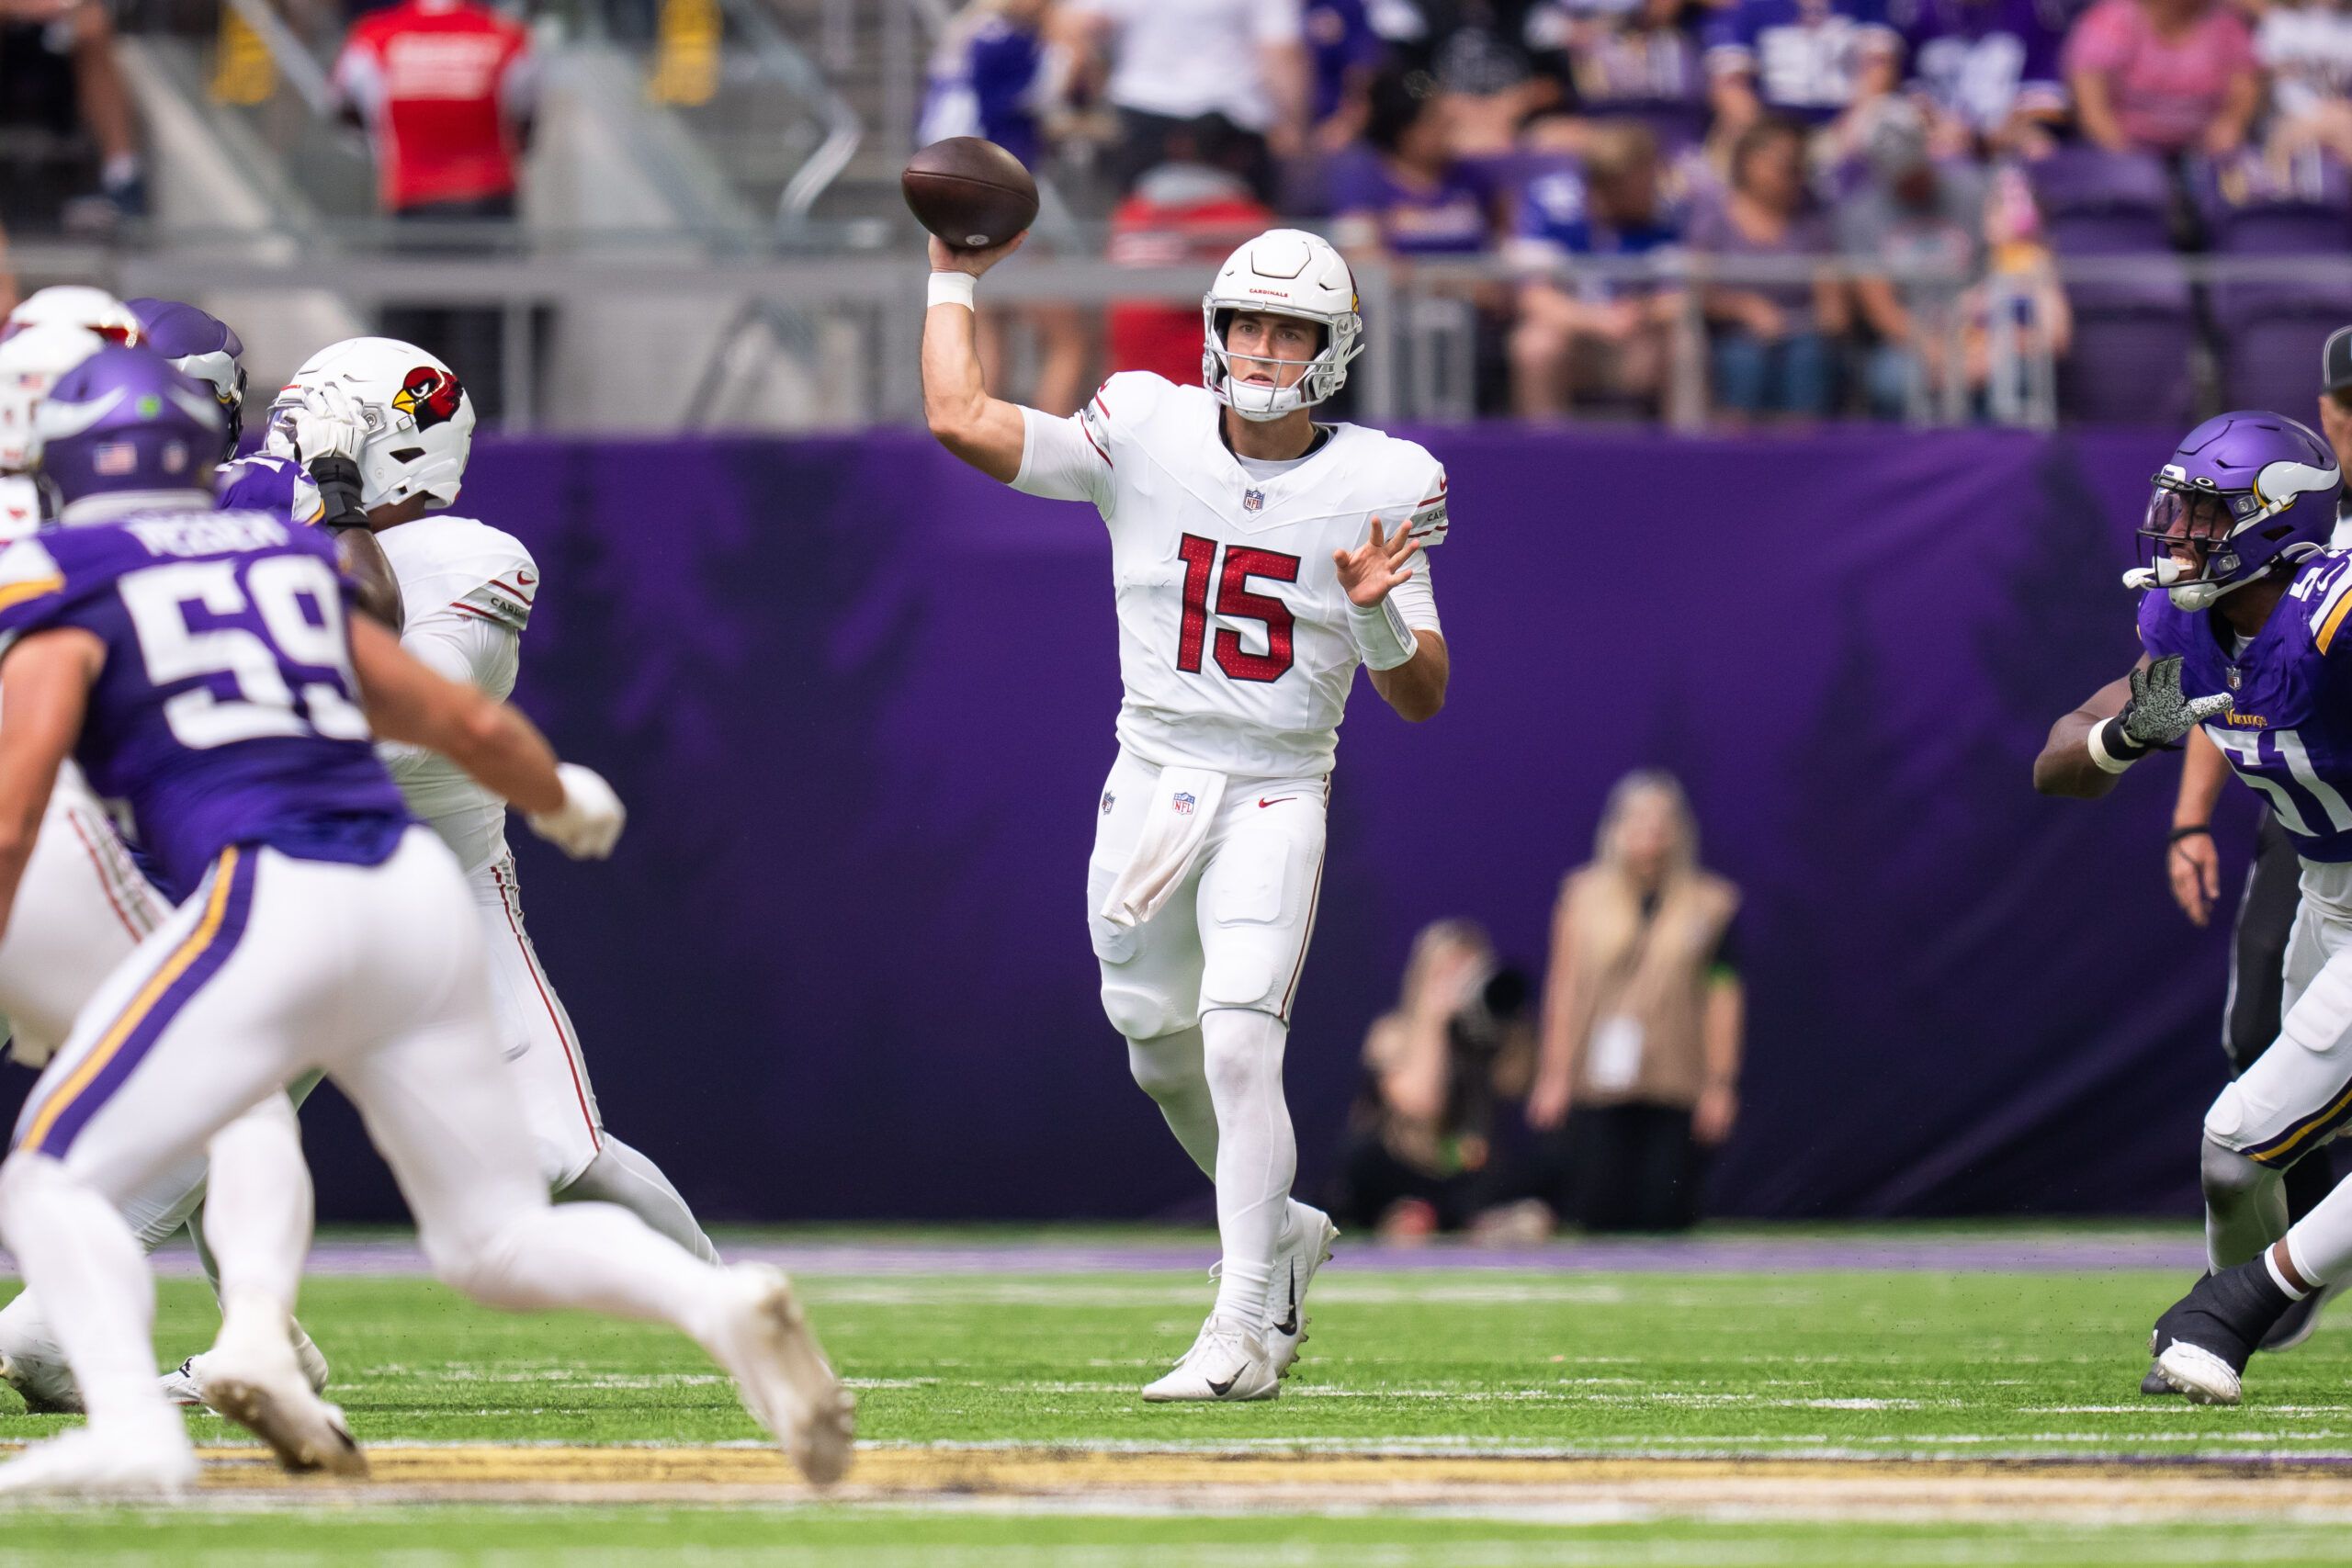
(121, 422)
(203, 347)
(2242, 492)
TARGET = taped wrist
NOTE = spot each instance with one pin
(954, 289)
(338, 482)
(2111, 748)
(1383, 640)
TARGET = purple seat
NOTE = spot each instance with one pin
(2250, 207)
(2082, 180)
(2272, 361)
(2128, 370)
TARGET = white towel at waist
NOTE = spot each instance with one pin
(1176, 824)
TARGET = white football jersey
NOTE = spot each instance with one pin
(467, 590)
(1234, 643)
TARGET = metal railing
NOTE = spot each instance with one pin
(1416, 315)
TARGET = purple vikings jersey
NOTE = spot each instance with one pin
(2290, 733)
(261, 482)
(225, 712)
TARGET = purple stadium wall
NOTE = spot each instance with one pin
(860, 702)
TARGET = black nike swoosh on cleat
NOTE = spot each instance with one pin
(1289, 1325)
(1221, 1389)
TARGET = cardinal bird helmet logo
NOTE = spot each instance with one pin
(429, 395)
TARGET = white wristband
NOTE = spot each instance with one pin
(1382, 637)
(954, 289)
(2109, 763)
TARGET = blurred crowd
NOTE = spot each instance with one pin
(1897, 174)
(1492, 1105)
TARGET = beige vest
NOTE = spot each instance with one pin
(1636, 1016)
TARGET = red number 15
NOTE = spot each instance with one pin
(1235, 602)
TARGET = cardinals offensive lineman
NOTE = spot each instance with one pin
(1258, 558)
(467, 590)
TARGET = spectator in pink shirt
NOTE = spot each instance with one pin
(2164, 76)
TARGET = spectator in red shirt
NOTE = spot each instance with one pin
(445, 90)
(2164, 76)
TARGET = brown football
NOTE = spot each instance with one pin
(971, 192)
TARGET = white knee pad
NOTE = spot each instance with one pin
(2225, 1118)
(1139, 1012)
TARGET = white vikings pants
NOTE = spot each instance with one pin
(2297, 1094)
(1235, 933)
(276, 967)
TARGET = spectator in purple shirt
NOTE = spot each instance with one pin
(1810, 61)
(995, 76)
(1344, 54)
(1987, 71)
(1404, 192)
(1577, 331)
(1773, 342)
(1638, 59)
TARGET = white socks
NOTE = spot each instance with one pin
(621, 1176)
(1257, 1155)
(596, 1256)
(100, 1299)
(1168, 1070)
(2321, 1243)
(258, 1207)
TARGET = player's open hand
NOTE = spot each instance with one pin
(2159, 712)
(945, 258)
(2195, 869)
(1370, 571)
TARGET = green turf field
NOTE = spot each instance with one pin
(1751, 1366)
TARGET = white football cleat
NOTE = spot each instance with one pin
(1229, 1363)
(158, 1462)
(1305, 1246)
(252, 1377)
(183, 1385)
(2200, 1375)
(782, 1373)
(46, 1385)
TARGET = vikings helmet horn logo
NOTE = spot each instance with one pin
(429, 395)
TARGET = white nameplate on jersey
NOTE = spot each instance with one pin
(208, 534)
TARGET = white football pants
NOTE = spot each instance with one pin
(276, 967)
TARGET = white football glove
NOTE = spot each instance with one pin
(327, 424)
(588, 823)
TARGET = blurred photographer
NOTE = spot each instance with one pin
(1639, 1071)
(1420, 1155)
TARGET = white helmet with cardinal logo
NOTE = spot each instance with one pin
(420, 422)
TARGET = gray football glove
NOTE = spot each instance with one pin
(2157, 714)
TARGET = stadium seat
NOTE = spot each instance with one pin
(2269, 330)
(2133, 335)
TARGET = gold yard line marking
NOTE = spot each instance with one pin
(491, 1471)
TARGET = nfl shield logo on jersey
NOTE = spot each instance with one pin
(1253, 500)
(1184, 804)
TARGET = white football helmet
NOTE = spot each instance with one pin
(74, 305)
(1289, 273)
(420, 422)
(31, 362)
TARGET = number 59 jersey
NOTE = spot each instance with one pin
(1234, 643)
(2289, 730)
(225, 711)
